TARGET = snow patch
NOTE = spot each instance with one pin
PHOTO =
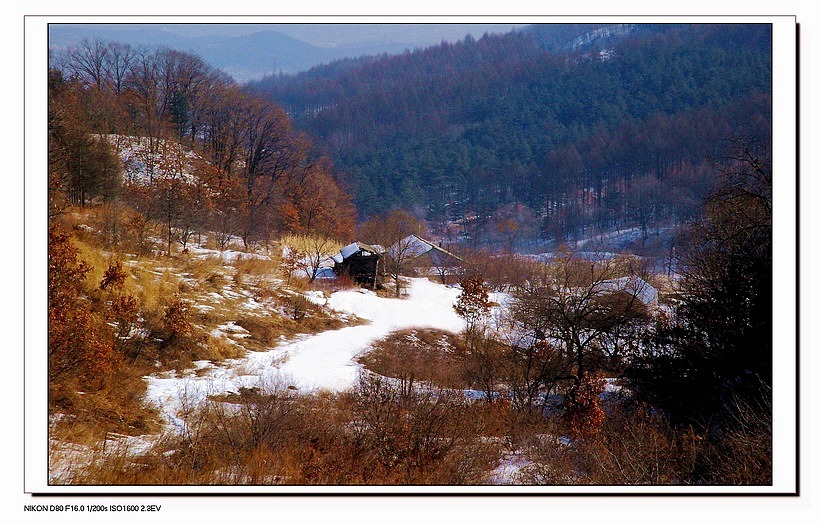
(325, 361)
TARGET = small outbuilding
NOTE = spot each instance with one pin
(361, 262)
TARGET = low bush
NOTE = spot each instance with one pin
(419, 355)
(376, 435)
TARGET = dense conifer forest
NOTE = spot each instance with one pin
(581, 126)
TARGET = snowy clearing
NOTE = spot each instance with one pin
(325, 361)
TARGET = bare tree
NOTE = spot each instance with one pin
(581, 309)
(89, 62)
(643, 198)
(196, 204)
(396, 231)
(226, 203)
(512, 223)
(218, 122)
(171, 188)
(120, 59)
(144, 93)
(313, 252)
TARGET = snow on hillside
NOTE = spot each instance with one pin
(600, 34)
(323, 361)
(144, 158)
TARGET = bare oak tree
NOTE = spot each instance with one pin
(579, 311)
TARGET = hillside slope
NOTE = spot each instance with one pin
(562, 123)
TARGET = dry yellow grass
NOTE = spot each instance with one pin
(154, 289)
(200, 267)
(114, 408)
(247, 291)
(256, 266)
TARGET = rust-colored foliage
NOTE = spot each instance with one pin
(113, 278)
(290, 217)
(474, 301)
(76, 346)
(65, 271)
(123, 307)
(584, 412)
(178, 319)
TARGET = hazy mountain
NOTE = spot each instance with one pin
(249, 51)
(354, 36)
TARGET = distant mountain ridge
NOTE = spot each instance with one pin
(250, 51)
(244, 57)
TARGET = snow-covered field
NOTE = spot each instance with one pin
(315, 362)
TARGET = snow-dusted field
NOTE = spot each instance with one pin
(315, 362)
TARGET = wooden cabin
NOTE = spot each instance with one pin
(361, 262)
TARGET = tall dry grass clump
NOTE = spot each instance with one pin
(257, 266)
(305, 254)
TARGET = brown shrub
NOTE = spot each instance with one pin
(741, 453)
(178, 319)
(272, 435)
(78, 346)
(414, 355)
(637, 447)
(584, 411)
(633, 446)
(416, 436)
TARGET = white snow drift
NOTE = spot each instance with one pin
(310, 363)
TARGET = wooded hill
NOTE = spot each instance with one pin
(212, 157)
(564, 127)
